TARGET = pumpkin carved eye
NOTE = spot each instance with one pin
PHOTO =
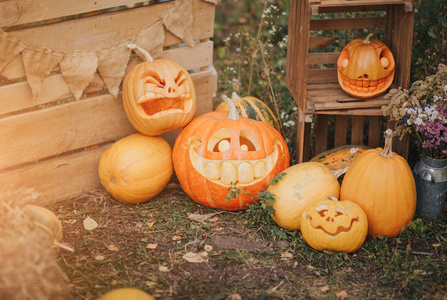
(153, 78)
(248, 141)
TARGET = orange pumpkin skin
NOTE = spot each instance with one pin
(136, 168)
(206, 173)
(365, 68)
(158, 96)
(334, 225)
(385, 189)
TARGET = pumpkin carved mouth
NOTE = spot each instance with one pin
(366, 86)
(155, 104)
(331, 221)
(226, 172)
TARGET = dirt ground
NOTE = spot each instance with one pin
(173, 248)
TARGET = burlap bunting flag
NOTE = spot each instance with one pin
(10, 47)
(112, 64)
(38, 64)
(152, 40)
(79, 67)
(179, 22)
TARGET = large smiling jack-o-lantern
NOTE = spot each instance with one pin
(365, 68)
(334, 225)
(219, 149)
(158, 95)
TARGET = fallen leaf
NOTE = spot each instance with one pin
(139, 225)
(176, 238)
(234, 297)
(201, 218)
(208, 248)
(70, 221)
(196, 257)
(286, 256)
(163, 269)
(150, 283)
(325, 289)
(151, 246)
(90, 224)
(112, 247)
(212, 220)
(342, 295)
(99, 257)
(150, 224)
(436, 245)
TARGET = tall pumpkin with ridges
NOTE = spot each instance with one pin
(251, 107)
(158, 95)
(381, 182)
(219, 149)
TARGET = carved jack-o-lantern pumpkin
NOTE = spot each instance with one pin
(218, 149)
(365, 68)
(334, 225)
(158, 95)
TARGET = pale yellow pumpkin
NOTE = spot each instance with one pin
(136, 168)
(301, 185)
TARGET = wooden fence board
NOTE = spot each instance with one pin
(341, 130)
(357, 130)
(55, 130)
(113, 28)
(30, 11)
(347, 23)
(58, 178)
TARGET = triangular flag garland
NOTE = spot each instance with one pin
(79, 67)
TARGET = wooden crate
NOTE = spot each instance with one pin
(53, 144)
(314, 85)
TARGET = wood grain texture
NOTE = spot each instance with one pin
(341, 130)
(94, 33)
(18, 96)
(321, 133)
(59, 178)
(53, 131)
(347, 23)
(374, 131)
(357, 130)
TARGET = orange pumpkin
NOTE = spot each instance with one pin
(381, 182)
(218, 149)
(334, 225)
(365, 68)
(136, 168)
(158, 95)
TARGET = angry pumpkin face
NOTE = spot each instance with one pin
(365, 68)
(159, 96)
(334, 225)
(215, 152)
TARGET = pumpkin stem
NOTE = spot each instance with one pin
(143, 54)
(387, 151)
(332, 198)
(367, 41)
(232, 114)
(235, 97)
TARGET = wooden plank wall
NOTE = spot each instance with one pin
(54, 144)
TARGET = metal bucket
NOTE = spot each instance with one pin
(430, 176)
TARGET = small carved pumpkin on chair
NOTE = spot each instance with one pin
(365, 68)
(158, 95)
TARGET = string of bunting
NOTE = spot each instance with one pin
(78, 67)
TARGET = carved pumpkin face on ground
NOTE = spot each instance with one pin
(218, 149)
(158, 96)
(365, 68)
(334, 225)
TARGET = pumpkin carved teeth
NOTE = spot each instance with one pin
(225, 172)
(155, 104)
(365, 85)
